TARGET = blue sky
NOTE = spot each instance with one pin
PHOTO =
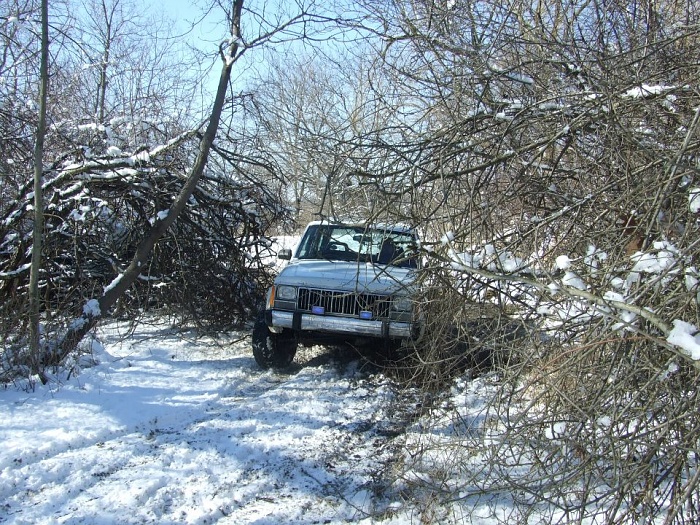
(206, 35)
(184, 12)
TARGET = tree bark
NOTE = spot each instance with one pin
(34, 306)
(96, 308)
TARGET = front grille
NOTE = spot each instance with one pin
(344, 303)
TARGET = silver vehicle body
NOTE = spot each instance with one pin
(336, 284)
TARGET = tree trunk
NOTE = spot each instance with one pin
(34, 306)
(94, 309)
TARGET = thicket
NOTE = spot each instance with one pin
(549, 155)
(122, 138)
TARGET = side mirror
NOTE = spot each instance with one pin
(284, 254)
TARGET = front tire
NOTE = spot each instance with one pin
(272, 350)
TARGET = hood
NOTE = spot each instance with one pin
(346, 276)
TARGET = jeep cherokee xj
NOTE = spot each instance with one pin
(345, 283)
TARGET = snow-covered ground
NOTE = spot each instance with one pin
(166, 428)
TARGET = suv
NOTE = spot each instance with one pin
(346, 283)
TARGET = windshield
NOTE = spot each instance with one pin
(357, 243)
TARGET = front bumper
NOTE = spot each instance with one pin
(340, 325)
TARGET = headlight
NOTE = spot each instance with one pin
(286, 293)
(403, 304)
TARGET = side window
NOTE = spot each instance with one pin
(308, 247)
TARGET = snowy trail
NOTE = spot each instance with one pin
(174, 431)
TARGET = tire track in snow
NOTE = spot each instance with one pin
(196, 433)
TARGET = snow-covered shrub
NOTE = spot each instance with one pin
(211, 268)
(561, 192)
